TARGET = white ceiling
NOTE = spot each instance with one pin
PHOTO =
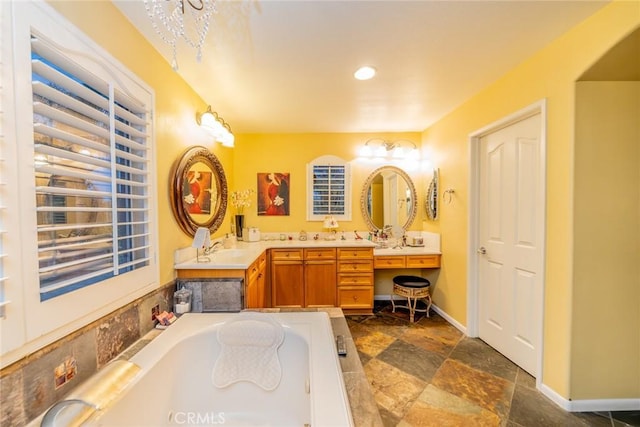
(273, 66)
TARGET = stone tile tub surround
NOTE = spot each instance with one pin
(27, 387)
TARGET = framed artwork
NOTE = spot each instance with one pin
(197, 191)
(273, 193)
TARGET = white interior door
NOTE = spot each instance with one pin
(510, 238)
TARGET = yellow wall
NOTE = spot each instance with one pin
(290, 153)
(176, 106)
(606, 295)
(176, 130)
(550, 74)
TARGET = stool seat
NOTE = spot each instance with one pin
(414, 288)
(411, 281)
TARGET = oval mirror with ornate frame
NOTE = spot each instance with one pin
(198, 190)
(388, 198)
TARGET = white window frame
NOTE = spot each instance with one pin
(12, 328)
(47, 321)
(329, 161)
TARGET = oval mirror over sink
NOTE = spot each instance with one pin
(198, 190)
(388, 199)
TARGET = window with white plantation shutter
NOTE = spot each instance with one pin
(91, 153)
(329, 189)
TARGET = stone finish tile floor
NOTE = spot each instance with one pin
(429, 374)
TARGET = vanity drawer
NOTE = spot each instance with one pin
(355, 253)
(253, 270)
(355, 297)
(389, 262)
(262, 260)
(257, 266)
(423, 261)
(355, 279)
(320, 253)
(355, 266)
(286, 254)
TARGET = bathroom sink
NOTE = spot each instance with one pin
(230, 252)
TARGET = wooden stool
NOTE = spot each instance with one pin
(414, 288)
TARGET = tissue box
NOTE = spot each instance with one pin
(251, 234)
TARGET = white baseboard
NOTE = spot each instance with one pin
(459, 326)
(590, 405)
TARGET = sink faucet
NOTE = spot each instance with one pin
(49, 419)
(211, 249)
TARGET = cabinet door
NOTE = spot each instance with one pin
(287, 283)
(251, 289)
(320, 283)
(261, 289)
(251, 293)
(256, 290)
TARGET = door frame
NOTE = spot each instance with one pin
(539, 107)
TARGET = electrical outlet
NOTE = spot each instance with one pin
(155, 311)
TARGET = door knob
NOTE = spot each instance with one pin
(482, 250)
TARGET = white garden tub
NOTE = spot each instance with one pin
(174, 385)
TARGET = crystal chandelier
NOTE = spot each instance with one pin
(186, 19)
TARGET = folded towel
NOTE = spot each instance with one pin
(249, 351)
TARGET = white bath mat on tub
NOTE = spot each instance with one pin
(249, 351)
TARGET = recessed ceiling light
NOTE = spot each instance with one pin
(365, 73)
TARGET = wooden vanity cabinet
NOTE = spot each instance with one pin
(320, 277)
(303, 277)
(355, 280)
(323, 277)
(287, 277)
(256, 279)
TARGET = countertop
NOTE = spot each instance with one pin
(245, 253)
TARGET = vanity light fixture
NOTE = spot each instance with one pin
(216, 126)
(381, 148)
(186, 19)
(365, 73)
